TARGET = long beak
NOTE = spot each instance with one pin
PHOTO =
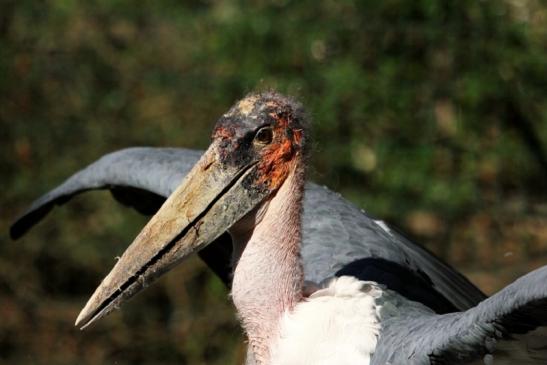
(210, 200)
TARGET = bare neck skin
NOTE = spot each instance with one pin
(268, 276)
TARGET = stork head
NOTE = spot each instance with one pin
(254, 147)
(266, 129)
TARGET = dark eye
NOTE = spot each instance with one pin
(264, 135)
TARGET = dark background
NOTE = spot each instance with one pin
(429, 114)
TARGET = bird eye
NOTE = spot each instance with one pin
(264, 135)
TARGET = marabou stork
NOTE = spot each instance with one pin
(377, 297)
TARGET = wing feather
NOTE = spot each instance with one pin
(508, 327)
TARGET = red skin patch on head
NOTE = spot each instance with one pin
(276, 160)
(222, 132)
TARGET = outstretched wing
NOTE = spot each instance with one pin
(507, 328)
(338, 238)
(140, 177)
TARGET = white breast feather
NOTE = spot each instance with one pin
(336, 325)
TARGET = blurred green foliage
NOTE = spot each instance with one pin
(431, 114)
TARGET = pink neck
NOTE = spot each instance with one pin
(268, 276)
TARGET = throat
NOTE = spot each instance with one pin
(268, 274)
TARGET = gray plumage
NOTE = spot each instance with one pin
(338, 239)
(416, 335)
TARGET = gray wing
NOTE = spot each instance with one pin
(507, 328)
(338, 238)
(149, 173)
